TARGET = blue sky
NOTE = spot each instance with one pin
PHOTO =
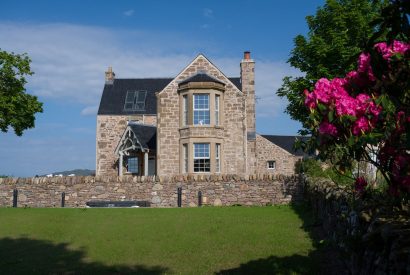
(71, 44)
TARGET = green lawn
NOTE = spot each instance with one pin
(225, 240)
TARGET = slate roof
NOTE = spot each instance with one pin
(113, 96)
(286, 143)
(146, 135)
(201, 77)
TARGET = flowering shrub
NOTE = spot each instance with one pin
(367, 113)
(360, 185)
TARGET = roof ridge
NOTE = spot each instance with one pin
(144, 78)
(162, 78)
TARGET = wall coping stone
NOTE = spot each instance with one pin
(145, 179)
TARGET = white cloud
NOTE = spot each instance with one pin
(268, 78)
(90, 110)
(69, 61)
(129, 12)
(208, 13)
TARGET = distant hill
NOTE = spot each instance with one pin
(77, 172)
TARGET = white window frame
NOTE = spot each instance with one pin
(217, 158)
(132, 98)
(201, 109)
(217, 103)
(185, 158)
(137, 165)
(268, 164)
(202, 158)
(185, 110)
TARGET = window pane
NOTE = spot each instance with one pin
(201, 117)
(140, 100)
(140, 106)
(133, 165)
(217, 110)
(129, 100)
(201, 109)
(141, 96)
(185, 154)
(201, 150)
(271, 164)
(217, 158)
(201, 101)
(185, 110)
(128, 106)
(130, 97)
(202, 162)
(202, 165)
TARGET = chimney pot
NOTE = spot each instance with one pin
(109, 76)
(247, 55)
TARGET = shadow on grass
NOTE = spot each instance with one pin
(26, 256)
(295, 264)
(321, 260)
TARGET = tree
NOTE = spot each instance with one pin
(17, 108)
(337, 34)
(365, 115)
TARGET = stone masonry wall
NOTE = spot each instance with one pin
(168, 135)
(109, 131)
(159, 191)
(266, 150)
(371, 232)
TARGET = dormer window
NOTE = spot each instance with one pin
(135, 101)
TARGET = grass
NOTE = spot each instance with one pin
(224, 240)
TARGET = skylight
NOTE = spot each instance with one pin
(135, 101)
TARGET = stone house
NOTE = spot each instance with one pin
(200, 121)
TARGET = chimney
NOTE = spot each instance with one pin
(248, 89)
(109, 76)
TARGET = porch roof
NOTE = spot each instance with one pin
(138, 137)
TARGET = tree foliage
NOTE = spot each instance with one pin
(17, 108)
(337, 34)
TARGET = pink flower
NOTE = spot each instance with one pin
(385, 51)
(346, 105)
(358, 79)
(388, 50)
(322, 90)
(361, 125)
(364, 62)
(310, 100)
(400, 47)
(374, 109)
(363, 98)
(365, 67)
(360, 184)
(327, 128)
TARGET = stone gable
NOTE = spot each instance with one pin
(268, 151)
(231, 131)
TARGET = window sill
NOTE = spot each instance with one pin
(201, 126)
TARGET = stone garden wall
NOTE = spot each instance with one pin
(372, 232)
(159, 191)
